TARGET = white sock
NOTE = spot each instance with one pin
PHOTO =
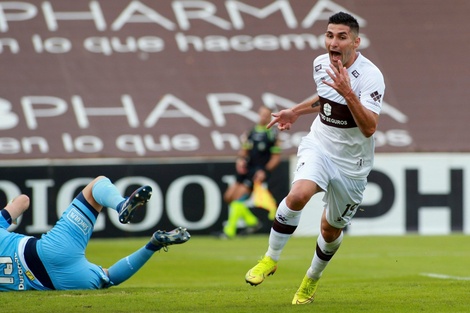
(327, 249)
(286, 216)
(278, 240)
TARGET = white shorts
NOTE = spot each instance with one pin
(343, 194)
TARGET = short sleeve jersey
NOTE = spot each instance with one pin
(13, 275)
(334, 129)
(261, 144)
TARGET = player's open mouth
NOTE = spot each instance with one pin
(335, 56)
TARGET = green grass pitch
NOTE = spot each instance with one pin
(368, 274)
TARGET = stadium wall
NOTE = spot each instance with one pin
(407, 193)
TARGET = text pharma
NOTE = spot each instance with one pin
(220, 105)
(177, 15)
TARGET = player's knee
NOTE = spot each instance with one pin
(98, 178)
(228, 197)
(296, 200)
(23, 201)
(106, 271)
(330, 233)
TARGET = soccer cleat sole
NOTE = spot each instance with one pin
(177, 236)
(137, 199)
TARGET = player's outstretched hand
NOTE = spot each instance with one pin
(284, 119)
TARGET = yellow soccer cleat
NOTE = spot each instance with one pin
(265, 267)
(306, 292)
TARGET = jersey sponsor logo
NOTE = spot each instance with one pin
(318, 68)
(336, 114)
(30, 275)
(261, 146)
(333, 122)
(327, 109)
(77, 218)
(20, 273)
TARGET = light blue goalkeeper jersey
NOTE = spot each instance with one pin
(61, 252)
(13, 274)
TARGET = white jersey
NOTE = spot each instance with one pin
(334, 130)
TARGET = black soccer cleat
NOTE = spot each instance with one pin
(137, 199)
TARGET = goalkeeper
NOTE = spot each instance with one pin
(57, 260)
(258, 157)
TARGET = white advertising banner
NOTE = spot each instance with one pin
(407, 193)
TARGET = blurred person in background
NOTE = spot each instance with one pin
(258, 157)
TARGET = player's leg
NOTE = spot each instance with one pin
(236, 191)
(234, 196)
(234, 214)
(342, 199)
(251, 220)
(311, 176)
(62, 248)
(103, 193)
(325, 250)
(128, 266)
(286, 222)
(239, 210)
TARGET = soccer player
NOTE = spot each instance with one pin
(337, 154)
(57, 260)
(258, 157)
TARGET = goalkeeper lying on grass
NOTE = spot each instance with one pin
(57, 260)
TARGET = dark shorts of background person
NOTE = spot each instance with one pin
(247, 179)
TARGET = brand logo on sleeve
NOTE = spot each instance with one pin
(77, 218)
(376, 96)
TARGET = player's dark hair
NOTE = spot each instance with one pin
(345, 19)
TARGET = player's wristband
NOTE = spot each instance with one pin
(13, 221)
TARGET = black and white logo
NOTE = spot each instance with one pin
(327, 109)
(376, 96)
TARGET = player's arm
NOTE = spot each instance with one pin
(17, 206)
(275, 158)
(308, 106)
(287, 117)
(273, 162)
(365, 119)
(241, 163)
(242, 156)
